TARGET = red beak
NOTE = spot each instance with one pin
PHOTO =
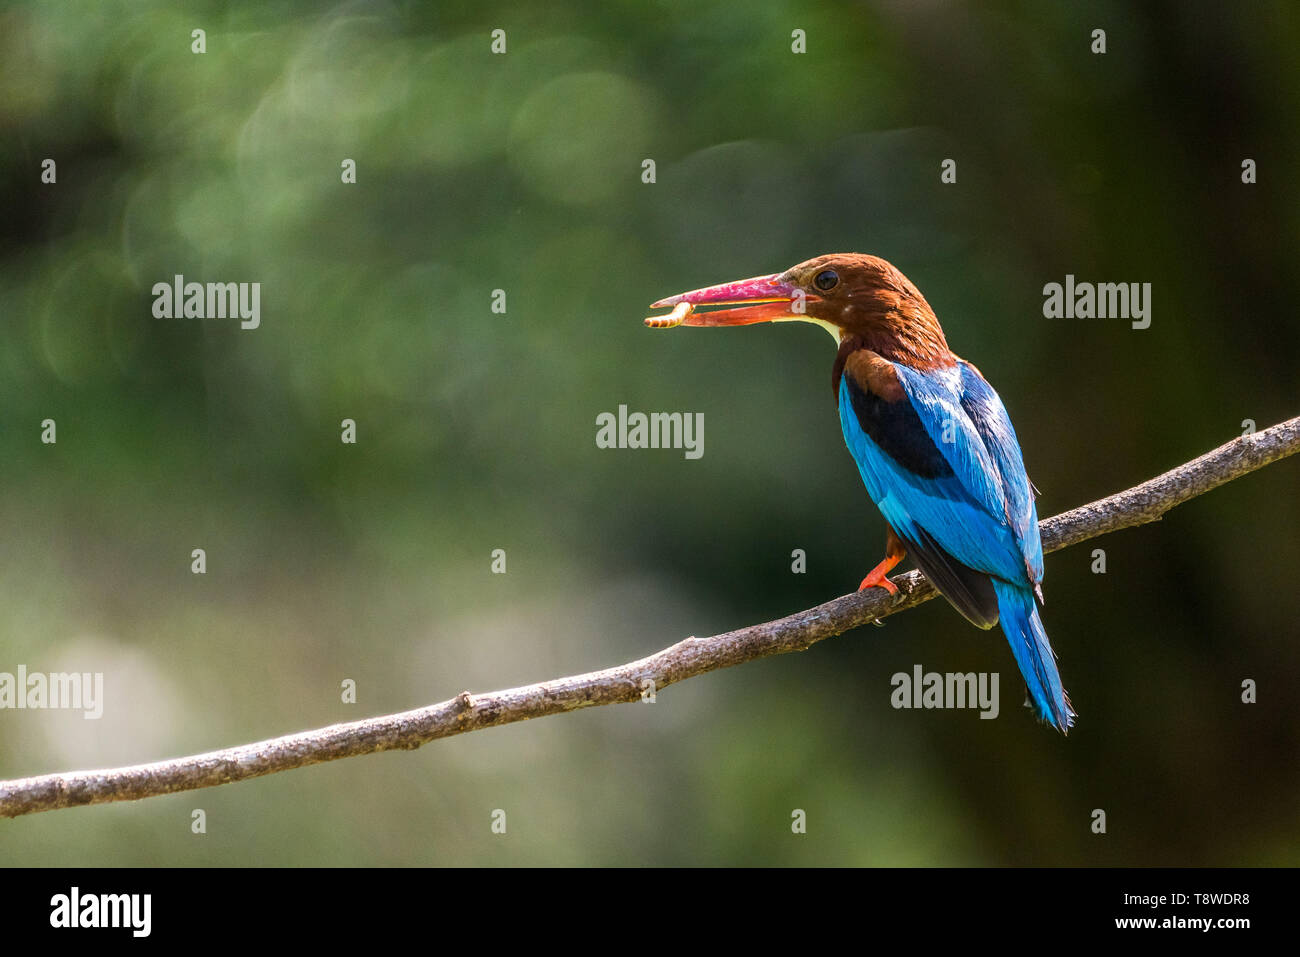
(762, 299)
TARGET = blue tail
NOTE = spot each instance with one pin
(1033, 653)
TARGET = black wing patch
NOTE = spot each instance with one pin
(897, 429)
(967, 590)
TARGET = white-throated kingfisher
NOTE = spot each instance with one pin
(931, 439)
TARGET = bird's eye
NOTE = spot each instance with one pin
(826, 280)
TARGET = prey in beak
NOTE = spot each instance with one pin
(761, 299)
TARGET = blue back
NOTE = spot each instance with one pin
(982, 511)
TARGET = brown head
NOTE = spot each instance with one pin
(863, 301)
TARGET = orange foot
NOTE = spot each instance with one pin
(876, 577)
(878, 580)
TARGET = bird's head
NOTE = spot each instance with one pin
(858, 299)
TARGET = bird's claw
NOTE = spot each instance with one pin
(880, 582)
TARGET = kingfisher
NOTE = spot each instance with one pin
(931, 438)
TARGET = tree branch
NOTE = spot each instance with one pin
(686, 659)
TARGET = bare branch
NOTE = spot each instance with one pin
(686, 659)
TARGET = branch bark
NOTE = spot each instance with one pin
(625, 683)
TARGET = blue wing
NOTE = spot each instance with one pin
(983, 452)
(943, 465)
(977, 506)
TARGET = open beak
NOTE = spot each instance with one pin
(761, 299)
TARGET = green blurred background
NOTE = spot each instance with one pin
(476, 430)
